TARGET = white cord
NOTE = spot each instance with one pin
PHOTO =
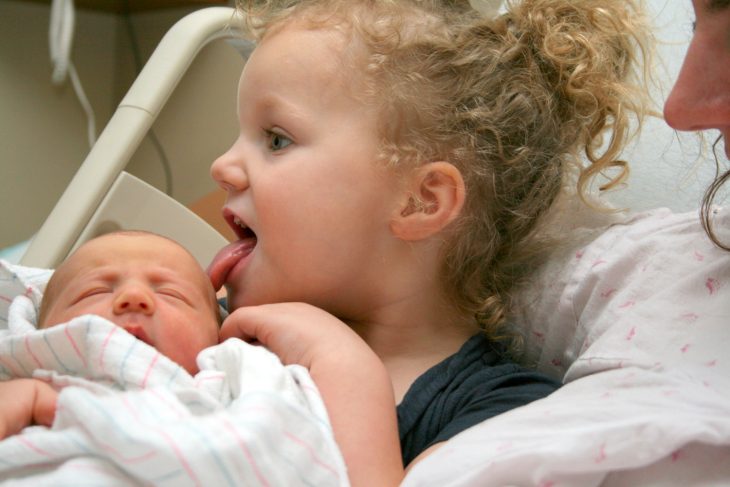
(60, 37)
(91, 120)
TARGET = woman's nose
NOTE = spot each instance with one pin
(134, 299)
(229, 171)
(700, 98)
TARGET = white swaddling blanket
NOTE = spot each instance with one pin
(128, 415)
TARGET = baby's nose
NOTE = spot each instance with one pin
(134, 299)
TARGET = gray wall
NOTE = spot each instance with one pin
(43, 127)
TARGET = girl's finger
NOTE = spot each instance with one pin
(241, 324)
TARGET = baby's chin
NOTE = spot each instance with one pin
(187, 363)
(192, 369)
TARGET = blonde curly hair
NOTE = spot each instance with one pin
(511, 101)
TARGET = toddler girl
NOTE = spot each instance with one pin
(393, 163)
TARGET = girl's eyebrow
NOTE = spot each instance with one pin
(276, 105)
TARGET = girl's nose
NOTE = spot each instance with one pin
(134, 299)
(229, 171)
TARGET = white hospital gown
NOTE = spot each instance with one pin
(636, 322)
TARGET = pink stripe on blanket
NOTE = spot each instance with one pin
(176, 449)
(30, 445)
(74, 345)
(113, 451)
(10, 367)
(30, 352)
(312, 453)
(246, 452)
(149, 370)
(136, 459)
(179, 455)
(104, 345)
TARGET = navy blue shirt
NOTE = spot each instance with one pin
(468, 387)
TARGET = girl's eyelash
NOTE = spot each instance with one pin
(275, 140)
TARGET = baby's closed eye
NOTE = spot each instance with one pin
(94, 291)
(172, 293)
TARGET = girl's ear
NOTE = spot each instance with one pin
(433, 198)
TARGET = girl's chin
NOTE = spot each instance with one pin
(238, 298)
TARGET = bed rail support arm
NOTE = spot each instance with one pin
(125, 131)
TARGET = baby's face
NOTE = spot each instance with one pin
(145, 284)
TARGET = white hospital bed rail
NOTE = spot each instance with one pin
(101, 196)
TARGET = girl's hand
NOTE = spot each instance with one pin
(352, 380)
(297, 332)
(24, 402)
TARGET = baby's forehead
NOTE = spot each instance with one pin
(113, 251)
(141, 245)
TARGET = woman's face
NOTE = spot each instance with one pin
(700, 98)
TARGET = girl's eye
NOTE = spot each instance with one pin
(277, 141)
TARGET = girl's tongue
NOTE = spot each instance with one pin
(227, 258)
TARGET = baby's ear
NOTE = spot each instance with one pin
(433, 198)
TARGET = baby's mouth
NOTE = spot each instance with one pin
(136, 330)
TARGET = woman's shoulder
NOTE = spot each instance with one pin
(655, 259)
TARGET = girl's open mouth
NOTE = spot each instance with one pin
(231, 254)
